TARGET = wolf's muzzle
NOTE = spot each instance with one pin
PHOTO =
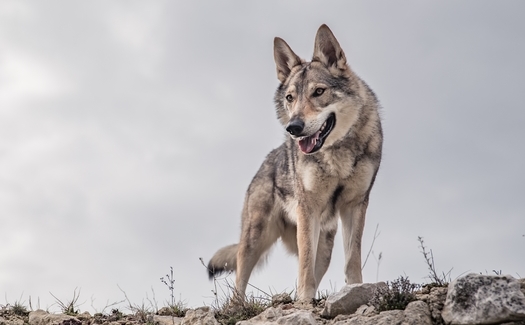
(295, 127)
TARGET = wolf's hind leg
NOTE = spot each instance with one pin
(289, 238)
(258, 235)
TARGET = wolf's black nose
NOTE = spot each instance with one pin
(295, 126)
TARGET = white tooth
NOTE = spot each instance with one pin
(324, 125)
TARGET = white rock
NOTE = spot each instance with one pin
(166, 320)
(417, 313)
(41, 317)
(199, 316)
(269, 316)
(366, 310)
(349, 298)
(272, 316)
(300, 317)
(391, 317)
(484, 299)
(12, 321)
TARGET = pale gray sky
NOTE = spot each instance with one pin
(129, 132)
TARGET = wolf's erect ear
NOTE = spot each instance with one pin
(285, 58)
(327, 49)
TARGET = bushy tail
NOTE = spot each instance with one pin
(225, 260)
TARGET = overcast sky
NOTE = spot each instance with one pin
(129, 132)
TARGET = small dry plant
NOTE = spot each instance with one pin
(177, 308)
(370, 251)
(436, 279)
(112, 305)
(69, 307)
(230, 307)
(142, 313)
(395, 295)
(18, 308)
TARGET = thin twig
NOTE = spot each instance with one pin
(376, 234)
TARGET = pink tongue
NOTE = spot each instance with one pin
(308, 144)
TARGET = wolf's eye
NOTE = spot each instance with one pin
(318, 92)
(289, 98)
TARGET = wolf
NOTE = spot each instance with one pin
(325, 169)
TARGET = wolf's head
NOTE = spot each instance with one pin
(319, 101)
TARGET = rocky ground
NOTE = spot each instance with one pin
(473, 299)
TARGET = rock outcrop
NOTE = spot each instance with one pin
(41, 317)
(200, 316)
(416, 313)
(484, 299)
(276, 315)
(349, 298)
(469, 300)
(435, 298)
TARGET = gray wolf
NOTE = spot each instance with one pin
(325, 169)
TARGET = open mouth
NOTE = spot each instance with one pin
(314, 142)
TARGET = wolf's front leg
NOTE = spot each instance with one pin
(353, 223)
(324, 254)
(308, 228)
